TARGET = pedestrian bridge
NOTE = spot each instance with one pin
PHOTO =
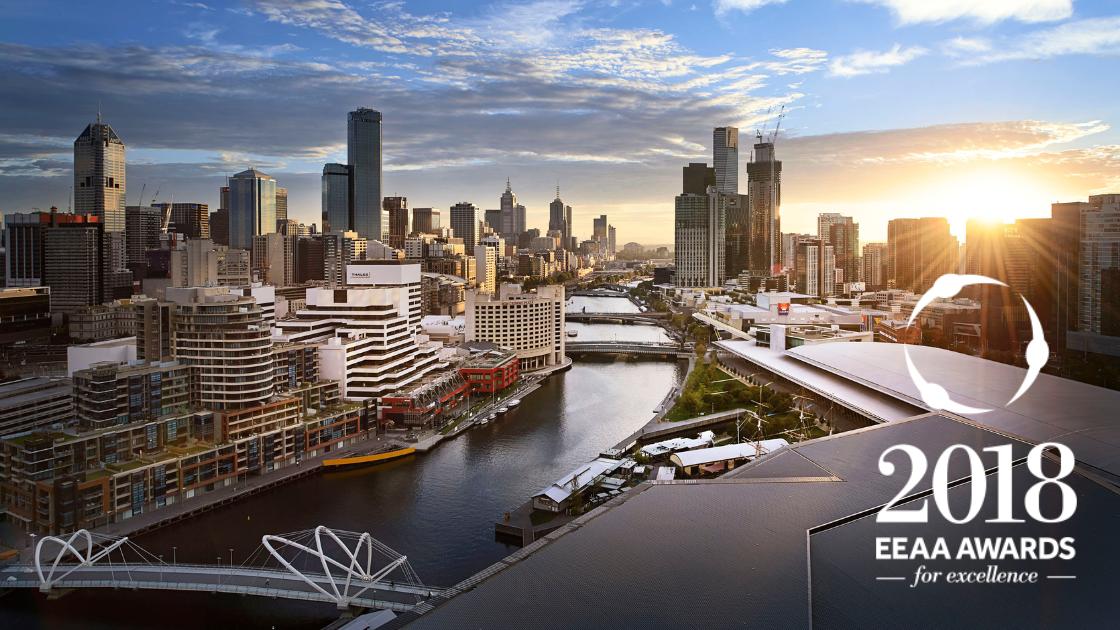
(348, 569)
(622, 318)
(628, 347)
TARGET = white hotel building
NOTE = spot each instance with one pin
(368, 331)
(530, 324)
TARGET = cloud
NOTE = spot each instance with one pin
(723, 7)
(1093, 36)
(980, 11)
(867, 62)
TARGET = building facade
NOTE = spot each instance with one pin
(530, 324)
(764, 188)
(99, 175)
(252, 209)
(363, 154)
(725, 159)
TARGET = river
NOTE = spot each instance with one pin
(438, 509)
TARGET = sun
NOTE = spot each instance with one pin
(990, 193)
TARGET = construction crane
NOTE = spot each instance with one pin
(774, 134)
(166, 215)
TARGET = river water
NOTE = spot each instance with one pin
(439, 508)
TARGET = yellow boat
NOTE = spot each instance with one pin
(368, 457)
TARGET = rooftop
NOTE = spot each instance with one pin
(786, 541)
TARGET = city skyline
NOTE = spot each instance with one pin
(1003, 147)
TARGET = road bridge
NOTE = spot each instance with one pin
(618, 318)
(674, 350)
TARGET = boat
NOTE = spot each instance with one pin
(503, 409)
(492, 417)
(514, 402)
(573, 333)
(372, 456)
(483, 422)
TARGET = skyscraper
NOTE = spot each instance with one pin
(919, 251)
(697, 176)
(764, 187)
(816, 267)
(512, 222)
(74, 261)
(1100, 258)
(612, 241)
(425, 220)
(464, 223)
(843, 234)
(363, 150)
(874, 263)
(738, 235)
(142, 228)
(189, 219)
(338, 207)
(397, 207)
(99, 175)
(556, 218)
(725, 159)
(699, 233)
(999, 251)
(281, 205)
(252, 207)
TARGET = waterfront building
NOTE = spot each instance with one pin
(252, 207)
(490, 371)
(725, 159)
(530, 324)
(225, 340)
(99, 175)
(25, 315)
(368, 330)
(397, 210)
(34, 402)
(465, 218)
(764, 189)
(429, 402)
(363, 155)
(111, 393)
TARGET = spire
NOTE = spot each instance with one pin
(99, 111)
(557, 189)
(508, 189)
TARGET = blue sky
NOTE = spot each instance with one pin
(893, 107)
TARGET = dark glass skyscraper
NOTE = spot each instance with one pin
(338, 211)
(725, 159)
(764, 187)
(363, 151)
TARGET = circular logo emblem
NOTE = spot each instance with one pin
(934, 395)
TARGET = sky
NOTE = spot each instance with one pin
(893, 108)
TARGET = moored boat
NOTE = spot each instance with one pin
(373, 456)
(514, 402)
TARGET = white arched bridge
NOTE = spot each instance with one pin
(348, 569)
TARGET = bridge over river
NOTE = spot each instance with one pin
(349, 569)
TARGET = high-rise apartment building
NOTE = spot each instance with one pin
(367, 330)
(530, 324)
(99, 175)
(110, 394)
(816, 268)
(363, 154)
(74, 262)
(340, 249)
(764, 188)
(843, 234)
(252, 207)
(700, 234)
(425, 221)
(486, 267)
(397, 208)
(223, 339)
(919, 252)
(203, 263)
(725, 159)
(465, 218)
(875, 269)
(1100, 257)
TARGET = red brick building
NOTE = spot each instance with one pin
(490, 371)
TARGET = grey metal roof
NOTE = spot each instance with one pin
(1083, 417)
(737, 551)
